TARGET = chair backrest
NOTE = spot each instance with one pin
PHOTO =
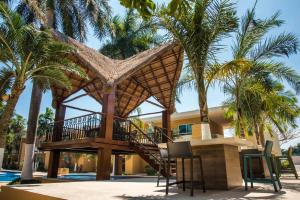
(290, 152)
(268, 148)
(180, 149)
(163, 153)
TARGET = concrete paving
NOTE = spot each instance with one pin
(145, 189)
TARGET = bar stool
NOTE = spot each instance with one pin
(163, 164)
(183, 150)
(267, 156)
(287, 158)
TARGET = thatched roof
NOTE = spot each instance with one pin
(154, 72)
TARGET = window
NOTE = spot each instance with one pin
(185, 129)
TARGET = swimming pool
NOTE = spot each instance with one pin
(79, 176)
(9, 176)
(92, 176)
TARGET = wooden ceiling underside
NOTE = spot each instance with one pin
(157, 78)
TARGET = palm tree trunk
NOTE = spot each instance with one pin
(35, 102)
(261, 134)
(204, 120)
(239, 113)
(7, 115)
(256, 131)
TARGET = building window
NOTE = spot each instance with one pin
(185, 129)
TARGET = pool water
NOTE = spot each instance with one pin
(9, 176)
(76, 176)
(91, 177)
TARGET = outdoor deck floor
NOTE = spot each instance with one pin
(145, 189)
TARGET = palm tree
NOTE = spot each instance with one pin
(264, 109)
(130, 36)
(44, 122)
(69, 16)
(253, 59)
(200, 29)
(29, 54)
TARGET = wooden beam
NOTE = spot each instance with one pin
(166, 124)
(103, 164)
(53, 163)
(81, 109)
(118, 164)
(158, 85)
(145, 114)
(108, 108)
(77, 97)
(59, 119)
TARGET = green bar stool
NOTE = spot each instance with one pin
(291, 167)
(267, 156)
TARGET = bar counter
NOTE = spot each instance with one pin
(221, 162)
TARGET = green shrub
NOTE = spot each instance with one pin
(285, 164)
(149, 170)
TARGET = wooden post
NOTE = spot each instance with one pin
(166, 124)
(108, 107)
(118, 164)
(104, 164)
(59, 122)
(57, 133)
(53, 164)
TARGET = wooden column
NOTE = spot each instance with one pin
(166, 124)
(103, 164)
(59, 122)
(118, 164)
(108, 107)
(57, 132)
(53, 164)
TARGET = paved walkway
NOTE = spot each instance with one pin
(145, 189)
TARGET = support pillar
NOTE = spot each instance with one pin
(35, 103)
(118, 164)
(59, 122)
(166, 124)
(104, 164)
(57, 132)
(108, 107)
(53, 163)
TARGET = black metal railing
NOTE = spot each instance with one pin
(121, 129)
(75, 128)
(160, 135)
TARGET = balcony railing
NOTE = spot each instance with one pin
(76, 128)
(89, 126)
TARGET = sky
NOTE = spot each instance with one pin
(289, 10)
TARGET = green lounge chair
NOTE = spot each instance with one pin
(267, 156)
(291, 167)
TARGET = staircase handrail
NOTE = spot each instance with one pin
(143, 146)
(143, 133)
(163, 133)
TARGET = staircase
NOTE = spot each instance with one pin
(146, 145)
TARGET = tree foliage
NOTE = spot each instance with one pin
(45, 121)
(69, 16)
(29, 54)
(200, 29)
(253, 78)
(130, 35)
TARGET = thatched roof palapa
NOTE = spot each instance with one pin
(154, 72)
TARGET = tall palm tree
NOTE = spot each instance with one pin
(199, 29)
(70, 17)
(29, 54)
(253, 59)
(130, 35)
